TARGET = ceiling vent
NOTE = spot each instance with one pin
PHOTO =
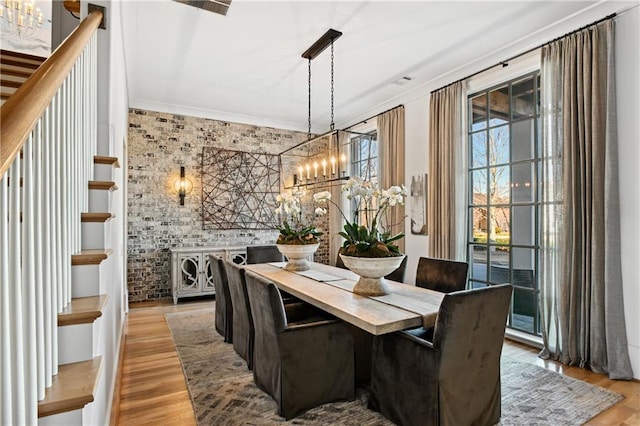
(403, 80)
(216, 6)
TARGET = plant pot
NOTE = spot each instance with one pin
(372, 271)
(297, 255)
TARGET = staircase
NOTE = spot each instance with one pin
(79, 358)
(15, 69)
(62, 291)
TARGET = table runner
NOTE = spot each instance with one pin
(392, 299)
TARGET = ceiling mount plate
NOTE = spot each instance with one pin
(216, 6)
(321, 44)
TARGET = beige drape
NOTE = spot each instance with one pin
(581, 287)
(391, 163)
(446, 207)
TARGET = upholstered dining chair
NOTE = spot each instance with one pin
(263, 254)
(441, 275)
(301, 365)
(242, 321)
(397, 275)
(224, 307)
(452, 380)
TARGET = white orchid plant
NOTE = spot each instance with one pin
(297, 216)
(371, 239)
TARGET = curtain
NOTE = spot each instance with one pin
(447, 189)
(391, 163)
(581, 287)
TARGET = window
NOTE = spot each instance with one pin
(504, 199)
(364, 164)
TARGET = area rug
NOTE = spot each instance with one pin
(223, 393)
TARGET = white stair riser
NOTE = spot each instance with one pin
(76, 343)
(93, 235)
(99, 200)
(103, 172)
(70, 418)
(90, 280)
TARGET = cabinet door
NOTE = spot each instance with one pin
(189, 273)
(237, 256)
(207, 278)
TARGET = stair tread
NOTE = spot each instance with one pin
(90, 257)
(72, 388)
(10, 83)
(24, 56)
(83, 310)
(101, 159)
(8, 70)
(103, 184)
(96, 217)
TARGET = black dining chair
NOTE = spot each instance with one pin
(300, 365)
(453, 379)
(441, 275)
(224, 307)
(263, 254)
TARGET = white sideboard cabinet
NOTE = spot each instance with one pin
(191, 270)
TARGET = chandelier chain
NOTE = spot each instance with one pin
(309, 118)
(332, 123)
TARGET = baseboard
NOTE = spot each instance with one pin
(114, 410)
(525, 338)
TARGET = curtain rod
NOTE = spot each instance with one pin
(506, 61)
(374, 116)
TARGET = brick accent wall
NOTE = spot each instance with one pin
(159, 143)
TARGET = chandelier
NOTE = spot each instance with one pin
(323, 159)
(20, 18)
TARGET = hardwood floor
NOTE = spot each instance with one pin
(154, 390)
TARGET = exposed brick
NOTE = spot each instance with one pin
(158, 144)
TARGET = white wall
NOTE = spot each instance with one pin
(628, 106)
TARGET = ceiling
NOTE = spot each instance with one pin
(247, 66)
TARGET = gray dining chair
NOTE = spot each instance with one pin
(452, 380)
(263, 254)
(441, 275)
(300, 365)
(224, 307)
(242, 321)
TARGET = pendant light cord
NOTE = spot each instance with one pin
(332, 123)
(309, 119)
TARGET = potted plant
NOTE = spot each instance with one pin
(369, 248)
(299, 236)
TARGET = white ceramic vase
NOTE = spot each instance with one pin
(372, 271)
(297, 255)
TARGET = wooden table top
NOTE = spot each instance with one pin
(406, 306)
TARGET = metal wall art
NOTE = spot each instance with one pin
(239, 189)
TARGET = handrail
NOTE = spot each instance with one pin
(20, 113)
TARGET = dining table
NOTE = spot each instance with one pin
(331, 289)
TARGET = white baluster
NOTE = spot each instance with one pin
(28, 282)
(38, 185)
(48, 222)
(6, 320)
(19, 403)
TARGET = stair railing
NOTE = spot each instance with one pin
(48, 137)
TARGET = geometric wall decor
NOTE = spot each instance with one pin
(239, 189)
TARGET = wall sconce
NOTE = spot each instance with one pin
(182, 186)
